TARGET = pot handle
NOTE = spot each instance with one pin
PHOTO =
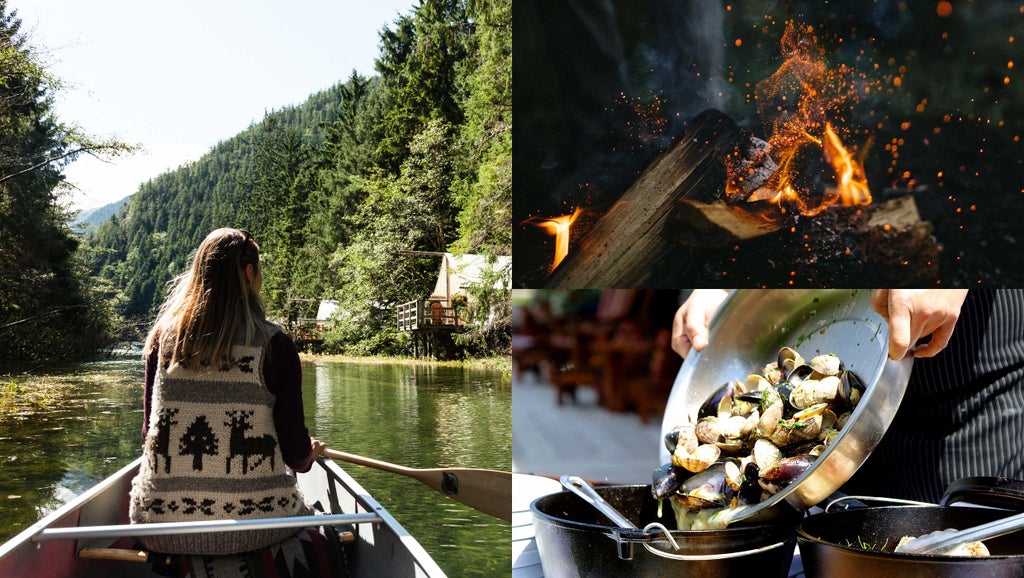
(875, 499)
(995, 492)
(625, 538)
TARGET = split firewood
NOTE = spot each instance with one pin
(695, 224)
(626, 247)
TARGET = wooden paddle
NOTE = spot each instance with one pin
(489, 491)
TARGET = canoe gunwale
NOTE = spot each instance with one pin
(172, 528)
(384, 547)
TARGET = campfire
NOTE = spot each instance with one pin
(769, 170)
(802, 188)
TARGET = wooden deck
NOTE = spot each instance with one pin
(432, 323)
(427, 314)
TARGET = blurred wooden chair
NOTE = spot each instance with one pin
(649, 393)
(572, 363)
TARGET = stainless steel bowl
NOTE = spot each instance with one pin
(748, 331)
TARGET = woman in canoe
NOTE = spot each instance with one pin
(223, 407)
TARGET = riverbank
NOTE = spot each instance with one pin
(502, 364)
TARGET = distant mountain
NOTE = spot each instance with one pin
(93, 217)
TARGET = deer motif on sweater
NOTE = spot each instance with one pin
(161, 446)
(262, 447)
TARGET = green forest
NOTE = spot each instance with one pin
(345, 194)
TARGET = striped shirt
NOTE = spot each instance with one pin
(963, 412)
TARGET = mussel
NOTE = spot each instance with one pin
(851, 388)
(718, 401)
(787, 469)
(666, 479)
(708, 489)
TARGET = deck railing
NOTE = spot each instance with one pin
(426, 313)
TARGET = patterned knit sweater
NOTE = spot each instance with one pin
(211, 452)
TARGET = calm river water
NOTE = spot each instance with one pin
(87, 425)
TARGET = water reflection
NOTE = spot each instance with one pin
(422, 416)
(88, 425)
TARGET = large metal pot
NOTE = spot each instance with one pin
(860, 541)
(575, 540)
(747, 332)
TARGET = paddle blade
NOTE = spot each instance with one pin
(489, 491)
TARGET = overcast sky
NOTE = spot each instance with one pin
(177, 77)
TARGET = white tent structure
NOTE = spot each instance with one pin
(458, 276)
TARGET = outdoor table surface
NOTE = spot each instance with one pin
(525, 489)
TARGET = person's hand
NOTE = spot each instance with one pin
(690, 325)
(316, 448)
(914, 314)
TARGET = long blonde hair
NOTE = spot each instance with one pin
(212, 305)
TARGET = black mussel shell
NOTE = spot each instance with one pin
(787, 469)
(785, 389)
(706, 489)
(671, 439)
(710, 406)
(749, 396)
(750, 491)
(800, 373)
(848, 384)
(666, 479)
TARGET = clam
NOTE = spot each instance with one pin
(772, 410)
(766, 454)
(708, 430)
(681, 435)
(827, 364)
(799, 374)
(772, 372)
(815, 391)
(755, 383)
(789, 360)
(699, 460)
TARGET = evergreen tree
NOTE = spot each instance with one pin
(47, 308)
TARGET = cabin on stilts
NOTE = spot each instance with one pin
(433, 320)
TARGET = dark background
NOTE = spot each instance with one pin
(600, 88)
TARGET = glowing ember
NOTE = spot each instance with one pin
(803, 98)
(559, 227)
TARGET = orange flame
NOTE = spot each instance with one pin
(800, 97)
(560, 227)
(853, 185)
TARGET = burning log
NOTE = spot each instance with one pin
(678, 225)
(626, 247)
(882, 245)
(697, 224)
